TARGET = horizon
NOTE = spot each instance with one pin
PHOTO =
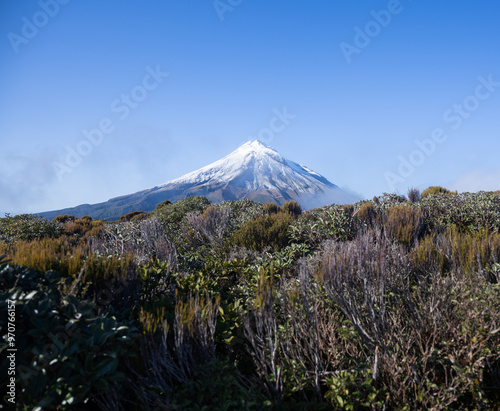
(101, 100)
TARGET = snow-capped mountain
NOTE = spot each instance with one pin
(253, 171)
(257, 172)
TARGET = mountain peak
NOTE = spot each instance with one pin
(253, 171)
(255, 145)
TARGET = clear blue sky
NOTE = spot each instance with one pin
(363, 80)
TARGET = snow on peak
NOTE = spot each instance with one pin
(255, 165)
(255, 145)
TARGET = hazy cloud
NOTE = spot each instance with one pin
(478, 180)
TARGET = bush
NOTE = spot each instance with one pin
(263, 232)
(378, 305)
(404, 223)
(427, 337)
(271, 208)
(467, 211)
(315, 226)
(414, 195)
(134, 216)
(436, 190)
(81, 226)
(367, 213)
(173, 213)
(64, 218)
(209, 227)
(292, 207)
(58, 254)
(67, 353)
(27, 227)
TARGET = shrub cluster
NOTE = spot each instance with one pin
(27, 227)
(383, 304)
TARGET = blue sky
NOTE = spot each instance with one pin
(366, 87)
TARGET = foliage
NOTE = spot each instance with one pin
(67, 353)
(27, 227)
(436, 190)
(63, 218)
(215, 386)
(383, 304)
(315, 226)
(172, 213)
(367, 212)
(387, 200)
(268, 231)
(271, 208)
(414, 195)
(468, 211)
(134, 216)
(59, 254)
(292, 207)
(404, 224)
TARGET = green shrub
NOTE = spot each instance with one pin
(134, 216)
(327, 223)
(427, 257)
(215, 386)
(63, 218)
(467, 211)
(173, 213)
(27, 227)
(387, 200)
(242, 211)
(67, 353)
(436, 190)
(271, 208)
(112, 281)
(292, 207)
(265, 231)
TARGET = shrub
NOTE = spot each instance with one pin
(145, 239)
(163, 204)
(27, 227)
(428, 257)
(367, 213)
(242, 211)
(271, 208)
(263, 232)
(173, 213)
(47, 254)
(210, 227)
(86, 219)
(414, 195)
(134, 216)
(292, 207)
(427, 339)
(468, 211)
(112, 281)
(315, 226)
(436, 190)
(386, 201)
(67, 353)
(64, 218)
(404, 223)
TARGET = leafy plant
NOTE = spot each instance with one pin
(27, 227)
(67, 352)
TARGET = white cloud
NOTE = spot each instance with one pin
(478, 181)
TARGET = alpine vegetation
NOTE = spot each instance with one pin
(392, 303)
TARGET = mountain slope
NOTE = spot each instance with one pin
(253, 171)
